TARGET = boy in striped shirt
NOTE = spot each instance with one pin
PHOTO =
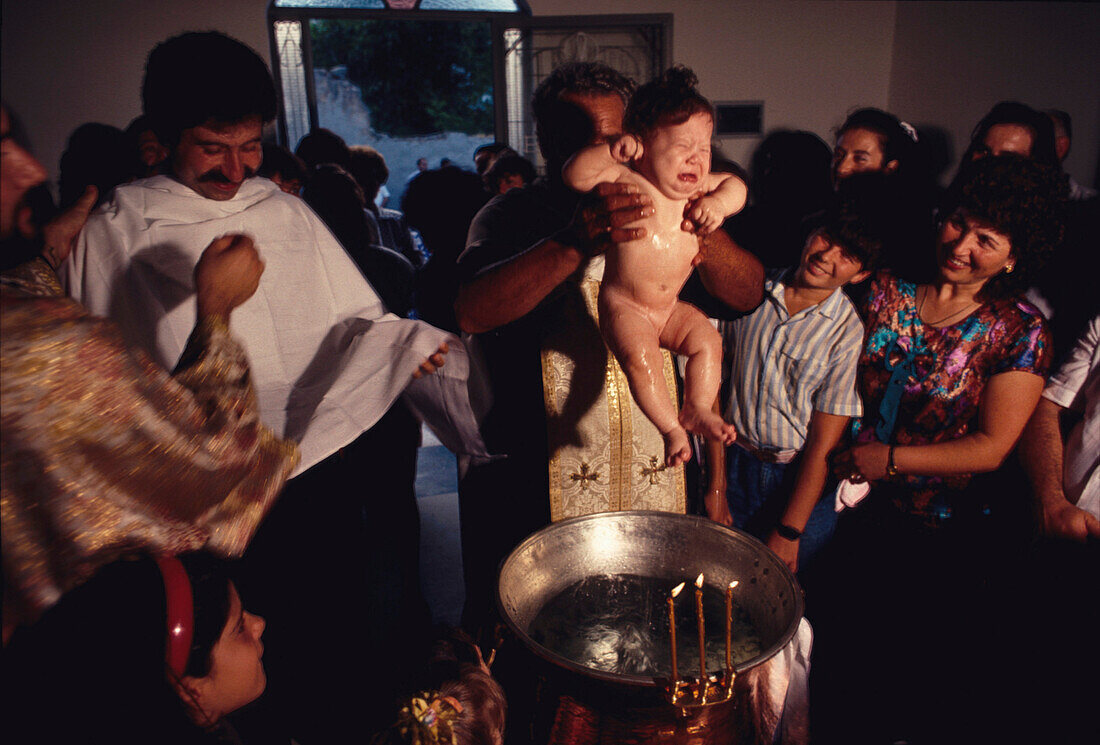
(792, 373)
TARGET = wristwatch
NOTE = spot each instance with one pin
(786, 531)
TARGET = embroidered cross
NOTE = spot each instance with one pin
(584, 476)
(654, 470)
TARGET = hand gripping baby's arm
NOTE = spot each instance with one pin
(725, 196)
(602, 162)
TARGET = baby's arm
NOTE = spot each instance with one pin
(596, 164)
(725, 196)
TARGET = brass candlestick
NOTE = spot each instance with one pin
(729, 626)
(701, 625)
(672, 630)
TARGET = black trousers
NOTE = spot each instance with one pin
(334, 570)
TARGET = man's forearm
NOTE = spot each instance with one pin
(513, 289)
(730, 273)
(1041, 452)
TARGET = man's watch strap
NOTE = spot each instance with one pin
(786, 531)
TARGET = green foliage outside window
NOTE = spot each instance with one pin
(417, 77)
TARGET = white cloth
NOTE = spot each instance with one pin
(849, 493)
(1076, 386)
(327, 361)
(779, 704)
(382, 195)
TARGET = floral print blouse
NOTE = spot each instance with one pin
(922, 385)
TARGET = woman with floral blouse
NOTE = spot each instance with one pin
(950, 372)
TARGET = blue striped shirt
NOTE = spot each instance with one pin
(782, 368)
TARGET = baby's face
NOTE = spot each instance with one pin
(676, 158)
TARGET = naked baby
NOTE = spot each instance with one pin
(666, 153)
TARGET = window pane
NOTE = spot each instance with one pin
(361, 4)
(410, 89)
(288, 40)
(502, 6)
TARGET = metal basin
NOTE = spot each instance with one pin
(659, 545)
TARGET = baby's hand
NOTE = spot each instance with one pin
(703, 215)
(626, 148)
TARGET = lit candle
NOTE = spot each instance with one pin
(672, 630)
(729, 625)
(702, 631)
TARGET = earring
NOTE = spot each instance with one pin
(1009, 268)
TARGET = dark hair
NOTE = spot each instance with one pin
(278, 161)
(96, 154)
(1061, 119)
(1014, 112)
(507, 165)
(198, 77)
(339, 201)
(558, 128)
(491, 152)
(1020, 197)
(896, 143)
(671, 98)
(92, 669)
(323, 146)
(368, 167)
(862, 217)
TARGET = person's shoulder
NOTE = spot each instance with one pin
(1017, 310)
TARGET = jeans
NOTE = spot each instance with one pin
(757, 494)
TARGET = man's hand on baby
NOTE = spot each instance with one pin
(607, 214)
(702, 216)
(626, 148)
(432, 363)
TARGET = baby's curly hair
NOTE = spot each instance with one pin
(1022, 198)
(671, 98)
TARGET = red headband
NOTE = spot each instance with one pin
(180, 613)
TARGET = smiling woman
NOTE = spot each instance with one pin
(949, 375)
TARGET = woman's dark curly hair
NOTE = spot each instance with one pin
(670, 99)
(1022, 198)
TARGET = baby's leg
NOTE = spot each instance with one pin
(632, 338)
(688, 332)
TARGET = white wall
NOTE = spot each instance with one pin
(953, 61)
(811, 61)
(65, 63)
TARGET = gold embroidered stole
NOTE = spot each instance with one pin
(604, 454)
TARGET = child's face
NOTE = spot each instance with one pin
(676, 157)
(827, 266)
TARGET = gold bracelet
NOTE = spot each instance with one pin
(891, 469)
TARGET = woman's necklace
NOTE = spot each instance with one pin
(920, 309)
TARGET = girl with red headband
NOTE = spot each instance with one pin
(149, 650)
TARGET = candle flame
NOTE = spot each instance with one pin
(699, 581)
(677, 588)
(734, 584)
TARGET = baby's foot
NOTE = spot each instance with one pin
(677, 447)
(703, 421)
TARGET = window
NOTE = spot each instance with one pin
(438, 78)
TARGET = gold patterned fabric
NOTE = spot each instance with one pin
(102, 451)
(605, 454)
